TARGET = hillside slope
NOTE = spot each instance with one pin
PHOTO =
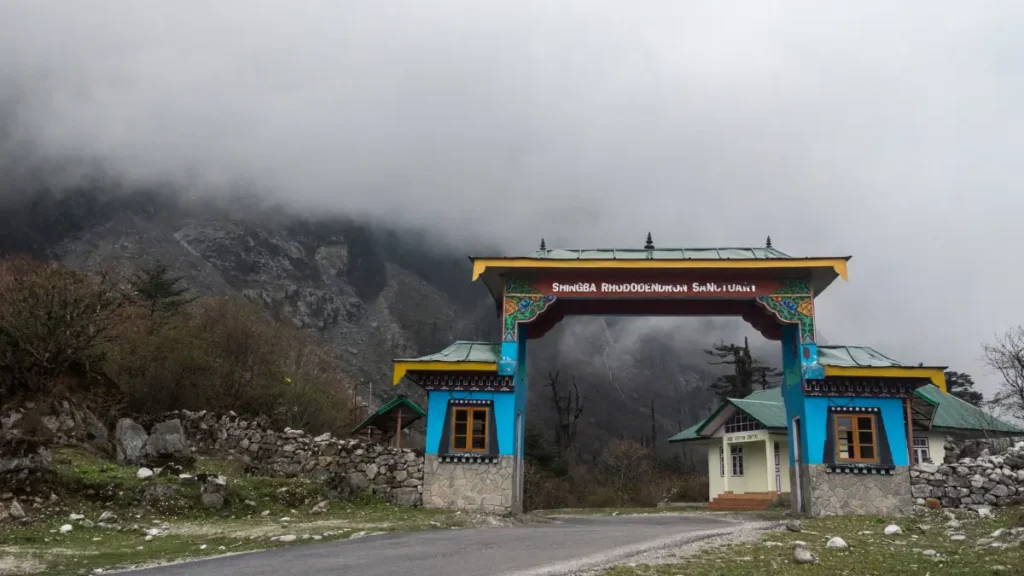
(371, 293)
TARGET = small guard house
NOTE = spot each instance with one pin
(385, 424)
(748, 450)
(846, 425)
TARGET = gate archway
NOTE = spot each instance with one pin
(478, 391)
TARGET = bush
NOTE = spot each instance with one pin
(53, 321)
(624, 474)
(224, 354)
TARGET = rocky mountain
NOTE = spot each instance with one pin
(371, 292)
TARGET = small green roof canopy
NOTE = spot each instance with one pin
(385, 418)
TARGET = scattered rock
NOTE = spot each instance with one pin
(148, 538)
(129, 441)
(958, 538)
(802, 555)
(892, 530)
(16, 511)
(405, 497)
(108, 517)
(144, 474)
(285, 538)
(794, 526)
(929, 553)
(158, 493)
(932, 503)
(66, 528)
(215, 492)
(76, 517)
(167, 443)
(321, 507)
(837, 543)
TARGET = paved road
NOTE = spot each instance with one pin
(523, 550)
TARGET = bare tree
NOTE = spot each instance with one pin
(568, 409)
(1006, 357)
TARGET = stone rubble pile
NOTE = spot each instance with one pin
(346, 465)
(971, 482)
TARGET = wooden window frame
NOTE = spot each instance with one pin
(721, 462)
(855, 422)
(469, 436)
(742, 422)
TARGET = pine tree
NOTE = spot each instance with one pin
(158, 290)
(961, 385)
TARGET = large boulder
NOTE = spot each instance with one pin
(215, 492)
(405, 497)
(167, 443)
(130, 441)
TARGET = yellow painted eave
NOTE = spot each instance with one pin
(403, 367)
(936, 375)
(837, 264)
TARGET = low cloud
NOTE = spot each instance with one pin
(888, 131)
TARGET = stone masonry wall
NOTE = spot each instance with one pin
(395, 474)
(837, 494)
(482, 487)
(971, 482)
(957, 449)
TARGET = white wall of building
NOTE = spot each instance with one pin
(758, 468)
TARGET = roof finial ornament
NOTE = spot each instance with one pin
(768, 243)
(543, 246)
(650, 243)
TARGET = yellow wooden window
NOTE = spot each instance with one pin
(469, 430)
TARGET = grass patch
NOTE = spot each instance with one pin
(258, 509)
(870, 551)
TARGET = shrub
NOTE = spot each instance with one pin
(224, 354)
(52, 321)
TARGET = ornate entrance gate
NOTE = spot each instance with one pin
(478, 391)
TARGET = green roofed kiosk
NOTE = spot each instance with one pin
(387, 422)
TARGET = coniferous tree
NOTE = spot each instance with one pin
(747, 371)
(961, 385)
(158, 290)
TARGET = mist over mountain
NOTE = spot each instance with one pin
(372, 292)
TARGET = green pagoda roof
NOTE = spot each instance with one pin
(850, 356)
(462, 351)
(460, 356)
(660, 254)
(387, 414)
(951, 413)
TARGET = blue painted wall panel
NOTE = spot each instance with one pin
(792, 390)
(504, 416)
(893, 415)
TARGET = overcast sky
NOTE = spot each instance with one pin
(892, 131)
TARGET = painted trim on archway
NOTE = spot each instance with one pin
(401, 368)
(936, 375)
(837, 264)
